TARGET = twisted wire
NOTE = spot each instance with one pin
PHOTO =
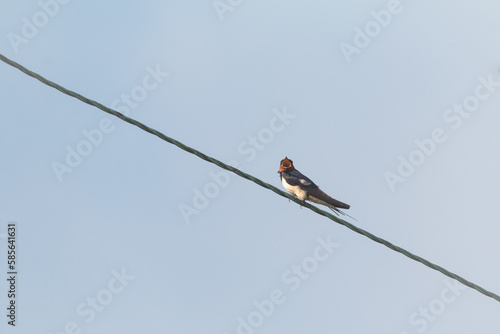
(252, 178)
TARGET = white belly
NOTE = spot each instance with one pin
(294, 190)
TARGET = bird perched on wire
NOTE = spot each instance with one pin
(303, 188)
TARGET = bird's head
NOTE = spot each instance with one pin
(285, 164)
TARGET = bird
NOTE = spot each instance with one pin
(305, 189)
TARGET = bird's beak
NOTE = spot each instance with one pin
(285, 164)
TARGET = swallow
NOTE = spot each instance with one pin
(304, 189)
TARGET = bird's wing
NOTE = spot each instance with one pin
(296, 178)
(316, 195)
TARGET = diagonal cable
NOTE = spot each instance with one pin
(251, 178)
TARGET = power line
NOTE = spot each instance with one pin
(251, 178)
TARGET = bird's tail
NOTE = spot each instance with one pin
(337, 211)
(320, 197)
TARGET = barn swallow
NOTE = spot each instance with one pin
(303, 188)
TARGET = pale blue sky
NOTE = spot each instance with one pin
(105, 247)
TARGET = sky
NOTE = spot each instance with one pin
(389, 106)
